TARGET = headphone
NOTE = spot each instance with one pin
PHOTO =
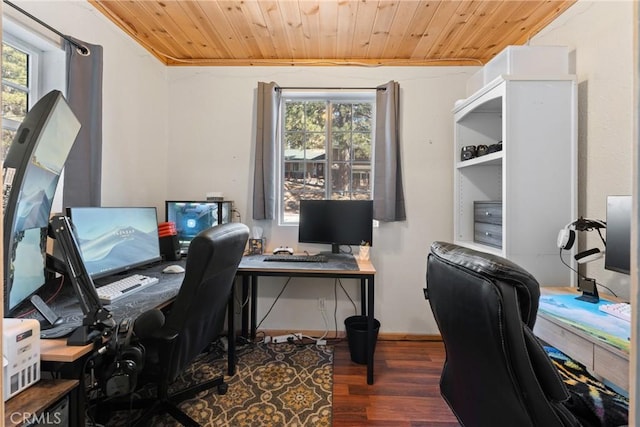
(567, 237)
(121, 375)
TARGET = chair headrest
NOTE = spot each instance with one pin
(494, 268)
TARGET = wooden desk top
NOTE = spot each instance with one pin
(57, 350)
(35, 400)
(558, 305)
(342, 264)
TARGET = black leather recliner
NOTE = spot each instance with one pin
(496, 371)
(195, 319)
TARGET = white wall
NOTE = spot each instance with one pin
(135, 104)
(212, 150)
(601, 36)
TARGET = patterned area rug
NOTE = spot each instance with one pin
(274, 385)
(591, 401)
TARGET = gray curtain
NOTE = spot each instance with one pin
(83, 169)
(264, 178)
(388, 193)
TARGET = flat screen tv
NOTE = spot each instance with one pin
(617, 255)
(114, 240)
(31, 172)
(192, 216)
(336, 222)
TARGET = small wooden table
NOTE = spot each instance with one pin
(32, 403)
(597, 340)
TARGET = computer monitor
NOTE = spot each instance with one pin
(336, 222)
(115, 239)
(617, 255)
(31, 171)
(191, 217)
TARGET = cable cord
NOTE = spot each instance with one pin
(584, 277)
(274, 302)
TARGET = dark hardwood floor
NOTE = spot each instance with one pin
(405, 392)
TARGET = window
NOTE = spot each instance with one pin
(19, 85)
(326, 149)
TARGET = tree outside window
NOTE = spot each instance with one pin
(16, 89)
(326, 151)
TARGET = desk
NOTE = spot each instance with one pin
(68, 360)
(597, 340)
(339, 266)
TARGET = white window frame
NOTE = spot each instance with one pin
(354, 96)
(33, 74)
(47, 64)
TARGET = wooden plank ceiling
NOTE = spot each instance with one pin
(330, 32)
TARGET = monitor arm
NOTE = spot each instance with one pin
(97, 320)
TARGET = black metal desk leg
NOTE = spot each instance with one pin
(231, 336)
(363, 297)
(245, 306)
(254, 304)
(370, 330)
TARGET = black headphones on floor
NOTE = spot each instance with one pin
(567, 237)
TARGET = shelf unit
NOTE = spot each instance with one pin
(534, 175)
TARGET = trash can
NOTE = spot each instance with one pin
(356, 327)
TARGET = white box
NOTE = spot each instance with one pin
(21, 352)
(528, 60)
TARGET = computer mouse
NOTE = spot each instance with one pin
(173, 269)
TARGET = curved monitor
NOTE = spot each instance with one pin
(336, 222)
(31, 171)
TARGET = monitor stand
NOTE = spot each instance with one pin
(589, 290)
(335, 248)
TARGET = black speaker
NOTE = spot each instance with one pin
(170, 248)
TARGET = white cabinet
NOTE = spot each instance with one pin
(534, 174)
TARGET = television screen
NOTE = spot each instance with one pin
(31, 171)
(191, 217)
(617, 255)
(336, 222)
(115, 239)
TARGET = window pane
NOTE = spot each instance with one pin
(7, 138)
(14, 65)
(340, 180)
(362, 146)
(361, 177)
(14, 103)
(341, 120)
(316, 116)
(294, 116)
(293, 141)
(362, 117)
(341, 147)
(314, 143)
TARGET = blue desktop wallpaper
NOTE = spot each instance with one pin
(113, 239)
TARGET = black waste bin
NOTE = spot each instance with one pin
(356, 327)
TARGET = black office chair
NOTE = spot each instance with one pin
(496, 371)
(194, 321)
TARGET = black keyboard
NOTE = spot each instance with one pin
(296, 258)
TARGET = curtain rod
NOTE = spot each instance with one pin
(329, 88)
(83, 49)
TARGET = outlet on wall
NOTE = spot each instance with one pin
(321, 303)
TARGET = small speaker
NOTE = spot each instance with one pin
(170, 248)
